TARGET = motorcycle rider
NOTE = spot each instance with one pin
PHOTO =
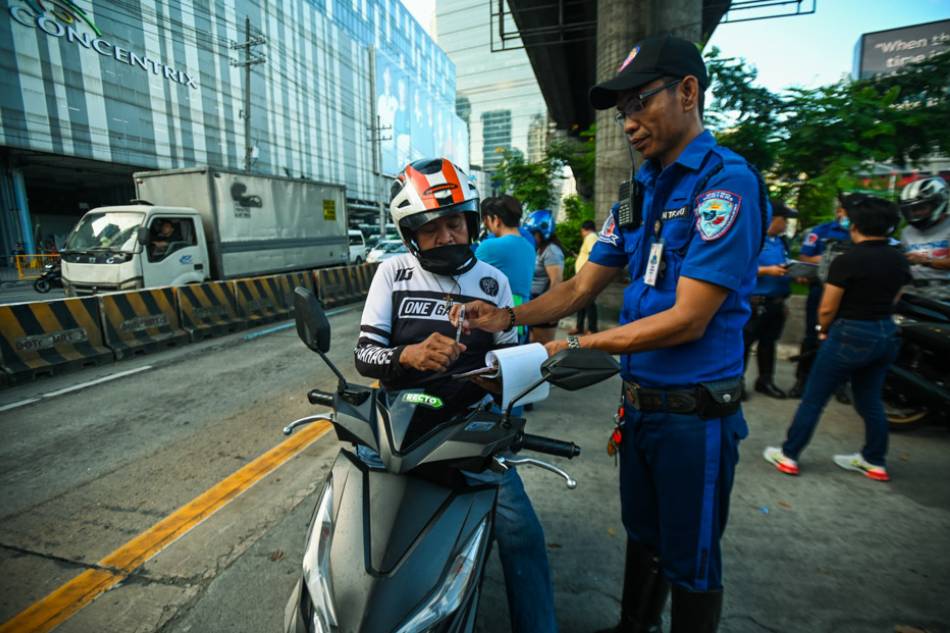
(926, 239)
(406, 338)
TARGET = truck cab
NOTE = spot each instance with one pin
(135, 246)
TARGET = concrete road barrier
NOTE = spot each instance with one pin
(208, 309)
(260, 299)
(141, 321)
(47, 337)
(335, 286)
(288, 282)
(344, 284)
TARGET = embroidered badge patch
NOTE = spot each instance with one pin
(630, 56)
(812, 239)
(489, 286)
(716, 211)
(608, 234)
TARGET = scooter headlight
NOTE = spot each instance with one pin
(316, 566)
(448, 598)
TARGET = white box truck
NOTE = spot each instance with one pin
(198, 224)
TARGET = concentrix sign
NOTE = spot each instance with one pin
(60, 18)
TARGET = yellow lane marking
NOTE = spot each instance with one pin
(60, 605)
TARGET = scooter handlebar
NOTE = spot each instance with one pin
(550, 446)
(315, 396)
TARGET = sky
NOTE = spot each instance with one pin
(806, 51)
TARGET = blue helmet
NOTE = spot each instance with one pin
(541, 221)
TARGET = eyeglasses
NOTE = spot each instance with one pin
(636, 104)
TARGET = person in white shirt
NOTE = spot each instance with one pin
(926, 239)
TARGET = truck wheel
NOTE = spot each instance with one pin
(41, 285)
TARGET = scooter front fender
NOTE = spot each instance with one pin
(394, 538)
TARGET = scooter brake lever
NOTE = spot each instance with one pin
(530, 461)
(307, 420)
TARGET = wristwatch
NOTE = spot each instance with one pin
(573, 342)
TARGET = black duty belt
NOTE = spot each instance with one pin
(712, 400)
(669, 400)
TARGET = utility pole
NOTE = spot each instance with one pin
(377, 135)
(250, 58)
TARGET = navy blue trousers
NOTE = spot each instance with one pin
(676, 474)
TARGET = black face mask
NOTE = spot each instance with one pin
(453, 259)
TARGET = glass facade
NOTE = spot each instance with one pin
(154, 84)
(497, 94)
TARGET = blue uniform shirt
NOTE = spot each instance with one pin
(814, 243)
(711, 233)
(773, 252)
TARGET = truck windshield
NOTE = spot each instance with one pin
(114, 231)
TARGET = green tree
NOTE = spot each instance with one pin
(576, 211)
(744, 117)
(816, 143)
(577, 152)
(531, 183)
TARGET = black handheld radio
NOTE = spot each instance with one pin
(630, 197)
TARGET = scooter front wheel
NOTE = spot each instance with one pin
(41, 285)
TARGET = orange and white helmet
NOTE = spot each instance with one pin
(428, 189)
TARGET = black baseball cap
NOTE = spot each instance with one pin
(652, 58)
(782, 210)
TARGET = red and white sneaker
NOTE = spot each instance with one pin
(857, 463)
(777, 458)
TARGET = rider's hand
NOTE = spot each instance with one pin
(480, 315)
(775, 271)
(553, 347)
(435, 353)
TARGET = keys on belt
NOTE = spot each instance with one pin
(684, 401)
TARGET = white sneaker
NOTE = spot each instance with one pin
(857, 463)
(777, 458)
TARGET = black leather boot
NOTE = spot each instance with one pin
(769, 389)
(695, 611)
(644, 592)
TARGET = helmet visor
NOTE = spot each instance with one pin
(918, 211)
(417, 220)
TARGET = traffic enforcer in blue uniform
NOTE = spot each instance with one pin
(703, 217)
(689, 227)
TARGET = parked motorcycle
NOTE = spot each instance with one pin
(917, 389)
(52, 277)
(400, 545)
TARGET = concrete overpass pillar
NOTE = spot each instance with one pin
(620, 24)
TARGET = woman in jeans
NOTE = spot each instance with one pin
(859, 338)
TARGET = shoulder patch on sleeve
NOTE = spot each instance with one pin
(608, 234)
(716, 212)
(811, 239)
(489, 286)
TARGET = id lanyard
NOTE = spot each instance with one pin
(655, 260)
(653, 263)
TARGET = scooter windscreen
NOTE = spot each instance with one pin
(415, 427)
(413, 414)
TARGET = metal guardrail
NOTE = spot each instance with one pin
(31, 266)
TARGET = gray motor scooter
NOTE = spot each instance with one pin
(398, 544)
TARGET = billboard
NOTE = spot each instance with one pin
(887, 52)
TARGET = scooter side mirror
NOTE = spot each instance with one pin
(313, 327)
(142, 235)
(574, 369)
